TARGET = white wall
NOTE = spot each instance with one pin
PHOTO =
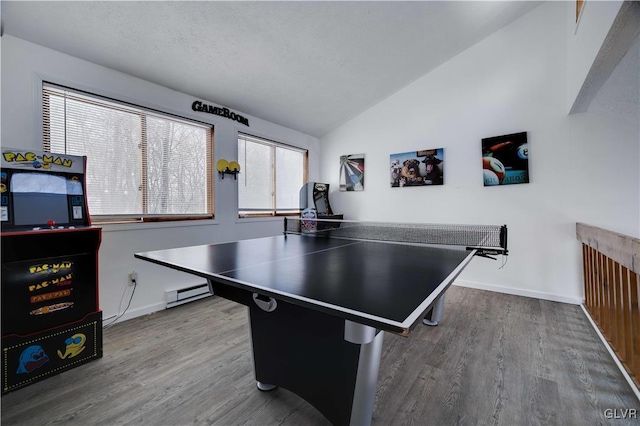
(25, 65)
(614, 114)
(584, 40)
(582, 168)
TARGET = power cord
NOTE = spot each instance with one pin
(504, 261)
(135, 285)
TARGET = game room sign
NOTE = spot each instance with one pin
(224, 112)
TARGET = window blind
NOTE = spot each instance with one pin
(139, 163)
(271, 178)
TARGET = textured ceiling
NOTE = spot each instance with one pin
(309, 66)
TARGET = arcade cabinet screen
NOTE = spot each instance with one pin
(321, 206)
(40, 197)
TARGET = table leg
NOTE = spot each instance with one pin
(367, 377)
(435, 313)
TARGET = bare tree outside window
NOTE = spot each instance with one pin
(176, 165)
(138, 163)
(271, 177)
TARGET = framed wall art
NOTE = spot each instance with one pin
(417, 168)
(352, 172)
(505, 159)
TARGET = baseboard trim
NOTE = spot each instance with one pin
(520, 292)
(134, 313)
(634, 388)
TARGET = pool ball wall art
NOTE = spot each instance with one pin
(505, 159)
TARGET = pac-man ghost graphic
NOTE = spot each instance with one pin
(31, 358)
(75, 345)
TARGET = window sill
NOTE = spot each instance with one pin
(264, 218)
(110, 226)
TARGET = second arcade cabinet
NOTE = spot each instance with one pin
(315, 195)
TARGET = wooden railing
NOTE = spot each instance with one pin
(611, 263)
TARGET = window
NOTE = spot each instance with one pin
(141, 165)
(271, 177)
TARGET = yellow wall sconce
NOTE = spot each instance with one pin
(225, 167)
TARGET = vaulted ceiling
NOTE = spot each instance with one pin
(309, 66)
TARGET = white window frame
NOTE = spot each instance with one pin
(273, 211)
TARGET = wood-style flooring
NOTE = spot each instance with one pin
(494, 359)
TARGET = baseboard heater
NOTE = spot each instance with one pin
(186, 295)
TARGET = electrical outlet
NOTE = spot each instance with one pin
(133, 278)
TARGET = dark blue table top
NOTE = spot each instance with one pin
(386, 285)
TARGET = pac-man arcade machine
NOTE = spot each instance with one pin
(51, 318)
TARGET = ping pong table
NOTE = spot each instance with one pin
(321, 296)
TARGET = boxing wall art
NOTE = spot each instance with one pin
(505, 159)
(417, 168)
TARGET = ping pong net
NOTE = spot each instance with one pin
(486, 239)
